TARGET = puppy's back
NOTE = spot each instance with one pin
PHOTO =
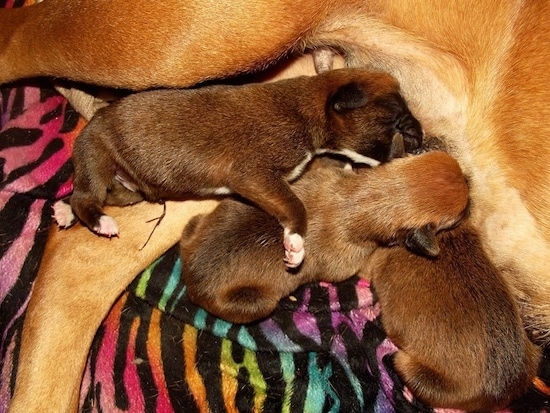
(458, 328)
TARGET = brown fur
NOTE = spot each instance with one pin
(248, 140)
(473, 72)
(231, 256)
(461, 339)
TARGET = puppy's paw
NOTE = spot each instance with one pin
(63, 214)
(294, 259)
(294, 249)
(106, 226)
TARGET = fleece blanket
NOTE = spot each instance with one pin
(323, 349)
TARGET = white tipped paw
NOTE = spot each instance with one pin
(107, 227)
(294, 249)
(63, 214)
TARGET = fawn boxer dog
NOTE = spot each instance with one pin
(249, 140)
(472, 72)
(349, 215)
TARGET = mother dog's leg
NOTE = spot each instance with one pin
(70, 300)
(142, 44)
(475, 73)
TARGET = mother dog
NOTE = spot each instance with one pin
(474, 72)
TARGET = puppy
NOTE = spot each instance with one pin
(230, 258)
(461, 339)
(250, 140)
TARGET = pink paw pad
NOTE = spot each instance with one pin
(294, 249)
(107, 227)
(63, 214)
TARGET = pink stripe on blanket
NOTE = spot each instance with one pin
(104, 370)
(12, 261)
(39, 176)
(17, 156)
(8, 361)
(7, 367)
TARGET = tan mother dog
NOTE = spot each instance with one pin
(473, 72)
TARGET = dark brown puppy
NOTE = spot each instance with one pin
(250, 140)
(461, 340)
(231, 257)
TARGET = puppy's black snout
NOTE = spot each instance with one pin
(411, 130)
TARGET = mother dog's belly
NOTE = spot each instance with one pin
(511, 235)
(464, 88)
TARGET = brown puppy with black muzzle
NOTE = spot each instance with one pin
(461, 340)
(250, 140)
(230, 257)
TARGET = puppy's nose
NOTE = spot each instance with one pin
(412, 131)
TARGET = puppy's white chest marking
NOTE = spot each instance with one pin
(299, 169)
(125, 182)
(351, 155)
(222, 190)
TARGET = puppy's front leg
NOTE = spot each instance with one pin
(275, 197)
(93, 176)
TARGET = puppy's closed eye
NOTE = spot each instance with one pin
(348, 97)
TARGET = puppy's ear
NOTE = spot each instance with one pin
(348, 97)
(422, 241)
(397, 148)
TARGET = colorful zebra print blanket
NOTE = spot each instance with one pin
(323, 350)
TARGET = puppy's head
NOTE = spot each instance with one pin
(365, 110)
(419, 196)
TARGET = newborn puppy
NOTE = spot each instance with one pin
(461, 340)
(250, 140)
(230, 258)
